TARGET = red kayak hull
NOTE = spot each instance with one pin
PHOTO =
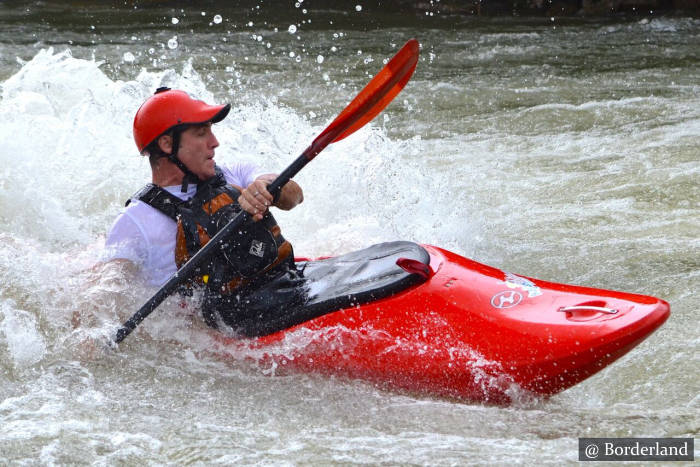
(471, 332)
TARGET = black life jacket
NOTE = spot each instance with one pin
(256, 249)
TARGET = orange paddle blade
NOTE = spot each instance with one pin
(377, 94)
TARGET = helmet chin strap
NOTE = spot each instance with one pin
(172, 157)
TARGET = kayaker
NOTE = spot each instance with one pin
(189, 199)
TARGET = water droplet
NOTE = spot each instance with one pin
(259, 39)
(358, 7)
(172, 43)
(292, 29)
(174, 20)
(334, 49)
(319, 59)
(151, 51)
(292, 54)
(217, 19)
(298, 58)
(128, 57)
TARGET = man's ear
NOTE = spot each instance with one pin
(165, 143)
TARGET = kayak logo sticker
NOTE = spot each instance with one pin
(516, 282)
(506, 299)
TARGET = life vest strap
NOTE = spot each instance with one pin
(158, 198)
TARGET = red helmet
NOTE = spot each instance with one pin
(168, 108)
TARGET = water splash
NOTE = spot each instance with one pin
(20, 335)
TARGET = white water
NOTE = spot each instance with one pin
(595, 189)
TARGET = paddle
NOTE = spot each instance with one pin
(375, 96)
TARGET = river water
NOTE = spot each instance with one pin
(567, 150)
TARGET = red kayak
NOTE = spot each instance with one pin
(454, 327)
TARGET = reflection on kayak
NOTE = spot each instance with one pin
(453, 328)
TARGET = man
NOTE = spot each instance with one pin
(190, 199)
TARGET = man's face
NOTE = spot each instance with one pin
(197, 145)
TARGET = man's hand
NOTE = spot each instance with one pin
(92, 344)
(255, 199)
